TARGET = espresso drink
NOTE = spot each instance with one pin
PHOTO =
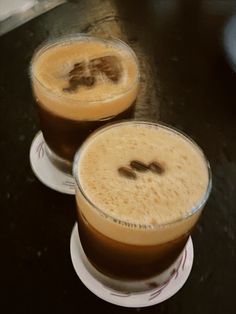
(140, 190)
(80, 83)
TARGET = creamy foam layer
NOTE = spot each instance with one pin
(51, 69)
(152, 198)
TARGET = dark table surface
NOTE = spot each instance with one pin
(185, 81)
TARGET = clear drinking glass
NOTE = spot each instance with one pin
(80, 83)
(122, 169)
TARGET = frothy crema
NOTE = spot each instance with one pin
(145, 206)
(85, 78)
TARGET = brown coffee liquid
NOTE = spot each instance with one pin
(64, 136)
(126, 261)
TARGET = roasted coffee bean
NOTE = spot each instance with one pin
(108, 65)
(156, 167)
(73, 84)
(127, 173)
(138, 165)
(75, 81)
(87, 81)
(78, 69)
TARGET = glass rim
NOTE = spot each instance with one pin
(128, 223)
(65, 39)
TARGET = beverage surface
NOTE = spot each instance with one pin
(85, 78)
(143, 174)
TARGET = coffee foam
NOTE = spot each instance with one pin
(50, 69)
(153, 200)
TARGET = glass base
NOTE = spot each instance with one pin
(46, 171)
(140, 293)
(62, 164)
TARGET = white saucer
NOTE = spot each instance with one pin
(45, 171)
(130, 299)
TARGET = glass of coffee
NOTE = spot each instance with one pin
(140, 189)
(79, 84)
